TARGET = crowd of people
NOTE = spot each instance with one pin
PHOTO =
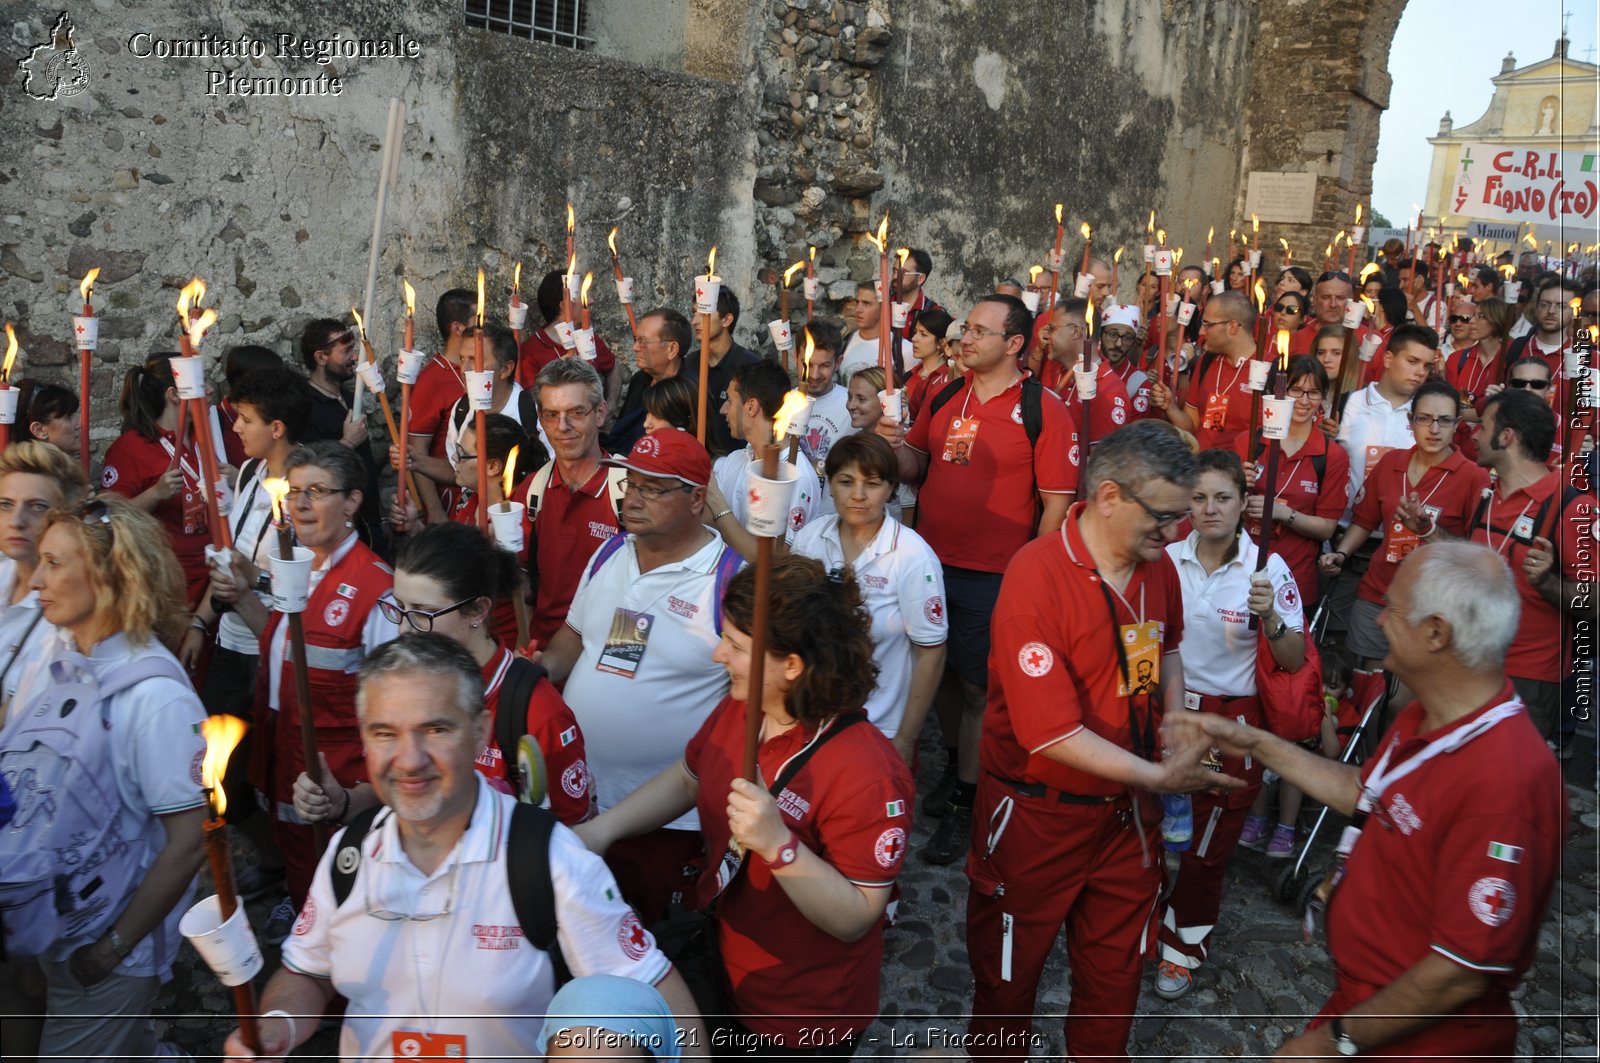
(1054, 525)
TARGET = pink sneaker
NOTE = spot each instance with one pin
(1255, 833)
(1282, 845)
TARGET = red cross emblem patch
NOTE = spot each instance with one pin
(1492, 900)
(890, 847)
(1036, 659)
(632, 938)
(933, 609)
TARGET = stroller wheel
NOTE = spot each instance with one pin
(1291, 883)
(1308, 889)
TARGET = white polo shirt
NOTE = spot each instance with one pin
(18, 645)
(251, 521)
(468, 974)
(730, 473)
(902, 583)
(1219, 649)
(1370, 428)
(636, 725)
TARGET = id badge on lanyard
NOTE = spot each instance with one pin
(624, 650)
(1215, 417)
(413, 1044)
(958, 442)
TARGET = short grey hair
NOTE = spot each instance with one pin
(1144, 450)
(330, 454)
(1470, 587)
(564, 371)
(427, 653)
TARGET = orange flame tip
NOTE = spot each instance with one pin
(86, 288)
(795, 404)
(411, 298)
(611, 241)
(510, 477)
(277, 488)
(788, 274)
(222, 734)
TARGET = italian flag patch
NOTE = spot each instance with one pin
(1511, 854)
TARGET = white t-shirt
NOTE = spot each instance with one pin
(860, 352)
(156, 752)
(730, 472)
(251, 521)
(512, 409)
(1219, 649)
(470, 974)
(636, 725)
(902, 583)
(18, 645)
(1369, 429)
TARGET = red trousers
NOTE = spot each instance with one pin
(1035, 866)
(1196, 900)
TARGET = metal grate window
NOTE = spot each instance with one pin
(559, 22)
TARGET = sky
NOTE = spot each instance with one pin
(1467, 39)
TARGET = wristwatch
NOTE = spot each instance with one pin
(1343, 1043)
(1282, 629)
(118, 946)
(263, 582)
(787, 852)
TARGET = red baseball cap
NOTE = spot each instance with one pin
(667, 452)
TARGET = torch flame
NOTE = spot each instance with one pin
(902, 254)
(788, 274)
(361, 326)
(411, 298)
(1058, 213)
(1461, 279)
(572, 220)
(811, 348)
(1367, 299)
(1255, 224)
(1508, 271)
(611, 241)
(1088, 320)
(1283, 348)
(1116, 258)
(1368, 270)
(711, 262)
(480, 298)
(1531, 242)
(198, 329)
(1358, 213)
(1285, 244)
(1161, 237)
(881, 241)
(1575, 302)
(87, 287)
(1033, 274)
(812, 252)
(1211, 230)
(510, 481)
(1177, 256)
(1328, 251)
(278, 489)
(583, 291)
(1338, 236)
(11, 352)
(1084, 229)
(794, 405)
(1261, 295)
(222, 734)
(190, 295)
(1150, 226)
(516, 277)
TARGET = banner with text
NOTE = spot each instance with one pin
(1497, 183)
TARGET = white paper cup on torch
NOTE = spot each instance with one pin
(1589, 395)
(899, 314)
(625, 290)
(1173, 302)
(812, 288)
(893, 404)
(574, 288)
(1163, 263)
(769, 500)
(1031, 301)
(1255, 261)
(1275, 416)
(87, 332)
(291, 581)
(410, 365)
(1260, 369)
(1369, 346)
(517, 316)
(1083, 380)
(371, 376)
(1358, 235)
(1185, 313)
(564, 333)
(480, 390)
(8, 405)
(1055, 259)
(1575, 360)
(506, 520)
(1082, 284)
(230, 948)
(584, 340)
(1355, 311)
(782, 335)
(190, 376)
(1149, 253)
(1218, 287)
(706, 290)
(1513, 291)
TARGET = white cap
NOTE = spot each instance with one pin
(1121, 314)
(954, 331)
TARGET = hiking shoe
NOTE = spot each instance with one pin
(279, 923)
(1255, 833)
(937, 804)
(1282, 845)
(1172, 981)
(950, 838)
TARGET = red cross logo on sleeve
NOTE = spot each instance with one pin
(1492, 900)
(1035, 659)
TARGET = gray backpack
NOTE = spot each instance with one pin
(65, 871)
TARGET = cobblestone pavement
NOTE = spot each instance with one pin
(1261, 984)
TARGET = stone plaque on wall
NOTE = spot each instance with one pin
(1280, 197)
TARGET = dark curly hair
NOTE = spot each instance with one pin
(823, 621)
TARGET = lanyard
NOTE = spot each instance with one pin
(1488, 525)
(1144, 738)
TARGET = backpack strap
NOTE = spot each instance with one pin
(537, 487)
(347, 862)
(1033, 411)
(607, 548)
(946, 393)
(533, 894)
(1198, 380)
(728, 565)
(148, 666)
(614, 477)
(511, 715)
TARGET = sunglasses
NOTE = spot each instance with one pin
(1457, 319)
(1537, 385)
(1288, 308)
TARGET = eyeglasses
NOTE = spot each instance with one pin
(1118, 338)
(419, 619)
(1458, 319)
(316, 492)
(1537, 385)
(1422, 420)
(1216, 324)
(980, 331)
(1162, 519)
(650, 492)
(390, 916)
(574, 415)
(1303, 393)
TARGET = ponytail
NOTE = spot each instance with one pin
(144, 396)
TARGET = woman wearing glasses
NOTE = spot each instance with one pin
(122, 856)
(1473, 370)
(1291, 310)
(447, 579)
(342, 624)
(1411, 495)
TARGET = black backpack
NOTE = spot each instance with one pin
(1540, 527)
(1032, 404)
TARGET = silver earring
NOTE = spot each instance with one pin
(349, 524)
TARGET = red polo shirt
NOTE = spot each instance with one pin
(1052, 659)
(1222, 381)
(1109, 409)
(1555, 359)
(977, 506)
(552, 724)
(569, 528)
(1299, 487)
(1139, 408)
(1303, 339)
(438, 387)
(1535, 652)
(133, 464)
(919, 388)
(1449, 490)
(1458, 858)
(539, 350)
(851, 805)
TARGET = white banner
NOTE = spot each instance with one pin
(1497, 183)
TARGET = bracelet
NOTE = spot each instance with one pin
(1342, 555)
(718, 516)
(198, 624)
(118, 946)
(294, 1030)
(345, 811)
(1289, 520)
(788, 852)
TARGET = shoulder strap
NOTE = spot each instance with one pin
(458, 412)
(348, 860)
(148, 666)
(1483, 507)
(607, 548)
(533, 895)
(790, 770)
(729, 562)
(511, 715)
(1319, 465)
(1199, 379)
(1033, 411)
(614, 478)
(536, 487)
(23, 641)
(528, 413)
(947, 393)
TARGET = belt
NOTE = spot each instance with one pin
(1215, 704)
(1039, 789)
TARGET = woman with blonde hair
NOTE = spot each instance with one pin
(114, 864)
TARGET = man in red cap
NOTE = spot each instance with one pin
(635, 653)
